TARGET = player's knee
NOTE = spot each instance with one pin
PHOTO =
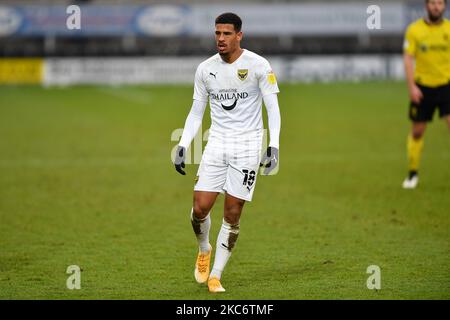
(232, 219)
(233, 214)
(201, 209)
(417, 134)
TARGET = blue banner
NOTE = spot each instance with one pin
(167, 20)
(98, 20)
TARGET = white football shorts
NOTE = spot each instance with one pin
(230, 165)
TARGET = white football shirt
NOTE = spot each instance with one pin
(235, 91)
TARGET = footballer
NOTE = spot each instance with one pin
(427, 43)
(234, 81)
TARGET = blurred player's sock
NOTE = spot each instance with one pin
(414, 148)
(201, 228)
(225, 243)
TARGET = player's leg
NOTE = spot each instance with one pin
(414, 152)
(444, 105)
(244, 157)
(415, 145)
(200, 218)
(226, 240)
(420, 114)
(211, 177)
(201, 223)
(239, 188)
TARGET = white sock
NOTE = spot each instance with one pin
(201, 228)
(225, 243)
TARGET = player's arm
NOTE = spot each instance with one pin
(270, 157)
(409, 51)
(193, 120)
(269, 89)
(191, 126)
(415, 94)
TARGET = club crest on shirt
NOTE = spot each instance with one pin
(242, 74)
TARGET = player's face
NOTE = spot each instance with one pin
(227, 39)
(436, 9)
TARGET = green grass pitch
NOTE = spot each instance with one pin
(86, 179)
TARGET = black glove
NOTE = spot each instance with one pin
(179, 160)
(269, 160)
